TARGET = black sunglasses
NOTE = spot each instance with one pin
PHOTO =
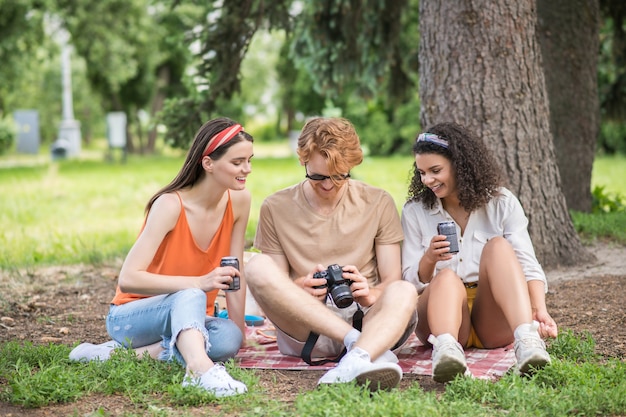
(319, 177)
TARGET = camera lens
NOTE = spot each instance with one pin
(342, 295)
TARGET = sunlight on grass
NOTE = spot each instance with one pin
(90, 210)
(610, 171)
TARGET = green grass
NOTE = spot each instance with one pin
(576, 383)
(610, 171)
(90, 211)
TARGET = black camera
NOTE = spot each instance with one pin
(338, 287)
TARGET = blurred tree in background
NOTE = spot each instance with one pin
(175, 63)
(612, 77)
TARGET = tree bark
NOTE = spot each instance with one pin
(158, 100)
(568, 33)
(480, 66)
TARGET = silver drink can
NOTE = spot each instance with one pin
(449, 230)
(232, 261)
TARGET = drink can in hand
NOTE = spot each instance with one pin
(232, 261)
(449, 230)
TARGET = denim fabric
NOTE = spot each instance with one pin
(161, 318)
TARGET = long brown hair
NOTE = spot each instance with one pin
(192, 171)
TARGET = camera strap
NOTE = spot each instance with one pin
(357, 323)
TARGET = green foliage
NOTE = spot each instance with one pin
(612, 77)
(223, 39)
(612, 138)
(296, 89)
(7, 136)
(602, 226)
(21, 34)
(340, 42)
(608, 217)
(572, 347)
(385, 132)
(606, 202)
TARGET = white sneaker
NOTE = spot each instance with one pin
(448, 358)
(387, 357)
(86, 352)
(217, 381)
(357, 366)
(530, 349)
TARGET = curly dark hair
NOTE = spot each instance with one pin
(477, 173)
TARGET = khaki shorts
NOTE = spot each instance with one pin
(327, 347)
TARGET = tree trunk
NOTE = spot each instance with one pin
(157, 105)
(480, 66)
(568, 33)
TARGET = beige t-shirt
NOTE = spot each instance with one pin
(364, 216)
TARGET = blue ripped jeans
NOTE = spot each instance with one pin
(161, 318)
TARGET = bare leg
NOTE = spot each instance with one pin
(386, 321)
(153, 350)
(190, 344)
(442, 308)
(502, 301)
(288, 306)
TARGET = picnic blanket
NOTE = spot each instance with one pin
(413, 357)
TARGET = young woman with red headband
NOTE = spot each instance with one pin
(169, 281)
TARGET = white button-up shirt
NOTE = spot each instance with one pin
(502, 216)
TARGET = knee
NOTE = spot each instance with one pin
(191, 296)
(497, 246)
(403, 292)
(261, 271)
(445, 280)
(187, 303)
(225, 341)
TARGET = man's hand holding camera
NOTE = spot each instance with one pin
(359, 285)
(343, 284)
(315, 286)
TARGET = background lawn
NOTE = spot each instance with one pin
(90, 210)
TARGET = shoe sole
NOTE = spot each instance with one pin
(379, 379)
(446, 371)
(533, 364)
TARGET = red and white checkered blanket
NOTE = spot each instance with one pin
(413, 357)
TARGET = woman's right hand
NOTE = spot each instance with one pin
(220, 278)
(438, 250)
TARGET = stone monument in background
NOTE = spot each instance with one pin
(69, 137)
(27, 127)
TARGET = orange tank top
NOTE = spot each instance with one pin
(179, 254)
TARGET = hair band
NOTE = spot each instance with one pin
(221, 138)
(432, 138)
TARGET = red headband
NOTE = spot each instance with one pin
(221, 138)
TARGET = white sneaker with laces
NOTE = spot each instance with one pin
(530, 349)
(448, 358)
(357, 366)
(217, 381)
(86, 352)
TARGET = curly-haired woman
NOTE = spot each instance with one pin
(492, 291)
